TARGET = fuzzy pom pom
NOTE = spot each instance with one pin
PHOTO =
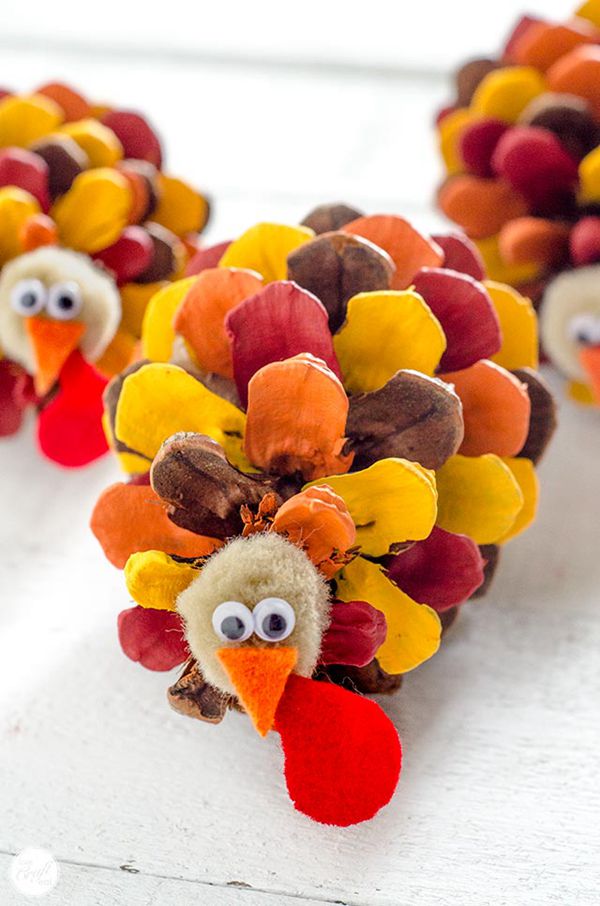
(249, 570)
(100, 312)
(569, 296)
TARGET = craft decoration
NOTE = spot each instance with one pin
(329, 436)
(521, 145)
(90, 228)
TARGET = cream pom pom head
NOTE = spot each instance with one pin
(260, 592)
(54, 297)
(570, 320)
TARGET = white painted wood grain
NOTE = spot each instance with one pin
(269, 142)
(123, 886)
(380, 33)
(499, 798)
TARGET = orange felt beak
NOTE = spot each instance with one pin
(259, 676)
(52, 342)
(590, 359)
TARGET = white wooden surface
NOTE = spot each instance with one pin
(500, 797)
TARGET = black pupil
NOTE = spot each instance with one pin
(28, 300)
(584, 338)
(65, 303)
(232, 628)
(273, 625)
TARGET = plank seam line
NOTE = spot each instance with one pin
(222, 885)
(186, 56)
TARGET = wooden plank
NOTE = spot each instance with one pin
(500, 793)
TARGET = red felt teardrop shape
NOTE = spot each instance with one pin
(342, 754)
(70, 429)
(129, 256)
(462, 255)
(280, 322)
(355, 633)
(153, 638)
(465, 311)
(442, 571)
(135, 134)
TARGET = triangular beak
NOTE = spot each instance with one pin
(52, 342)
(259, 676)
(590, 359)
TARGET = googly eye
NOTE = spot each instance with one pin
(28, 297)
(585, 329)
(64, 301)
(274, 619)
(232, 622)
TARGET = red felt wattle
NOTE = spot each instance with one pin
(135, 134)
(342, 754)
(281, 321)
(355, 633)
(465, 311)
(535, 163)
(461, 255)
(13, 400)
(584, 242)
(478, 143)
(206, 258)
(153, 638)
(27, 171)
(442, 571)
(70, 430)
(129, 256)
